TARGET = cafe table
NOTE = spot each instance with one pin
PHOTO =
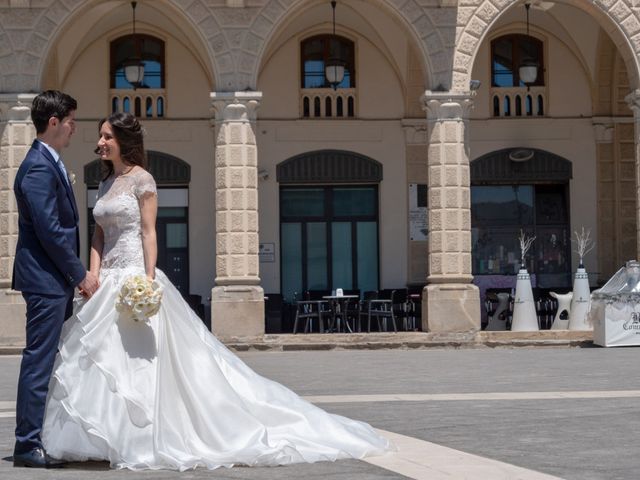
(338, 307)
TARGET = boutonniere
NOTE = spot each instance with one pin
(72, 178)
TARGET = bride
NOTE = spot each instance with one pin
(166, 393)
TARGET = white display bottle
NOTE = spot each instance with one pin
(525, 318)
(581, 301)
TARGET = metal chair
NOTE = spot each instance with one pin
(382, 308)
(365, 305)
(307, 310)
(399, 302)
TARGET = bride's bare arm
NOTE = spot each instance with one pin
(97, 244)
(148, 213)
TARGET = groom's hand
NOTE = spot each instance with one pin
(89, 285)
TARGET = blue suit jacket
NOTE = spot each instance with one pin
(48, 236)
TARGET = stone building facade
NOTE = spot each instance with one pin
(232, 108)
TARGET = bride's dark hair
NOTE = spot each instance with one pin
(128, 133)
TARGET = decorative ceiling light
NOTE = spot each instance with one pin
(334, 68)
(528, 70)
(134, 66)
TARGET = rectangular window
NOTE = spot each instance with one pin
(291, 255)
(329, 239)
(302, 202)
(499, 212)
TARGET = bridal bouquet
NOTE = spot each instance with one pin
(139, 297)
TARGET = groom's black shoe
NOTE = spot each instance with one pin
(36, 458)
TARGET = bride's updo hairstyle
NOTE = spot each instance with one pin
(128, 133)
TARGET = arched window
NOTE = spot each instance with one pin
(507, 54)
(316, 51)
(149, 49)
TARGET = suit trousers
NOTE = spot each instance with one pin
(45, 316)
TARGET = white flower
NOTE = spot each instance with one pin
(72, 177)
(139, 298)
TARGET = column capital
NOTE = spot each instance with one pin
(447, 105)
(235, 106)
(633, 100)
(16, 107)
(603, 128)
(415, 131)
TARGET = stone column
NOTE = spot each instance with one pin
(237, 300)
(451, 303)
(16, 135)
(607, 223)
(633, 100)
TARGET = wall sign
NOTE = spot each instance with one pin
(418, 213)
(267, 252)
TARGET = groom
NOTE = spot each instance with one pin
(46, 268)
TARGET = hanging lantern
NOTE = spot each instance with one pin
(134, 66)
(334, 67)
(528, 70)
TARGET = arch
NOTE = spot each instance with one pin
(328, 167)
(165, 168)
(519, 166)
(50, 24)
(272, 20)
(611, 16)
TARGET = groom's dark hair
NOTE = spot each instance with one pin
(51, 103)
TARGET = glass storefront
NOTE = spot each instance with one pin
(499, 212)
(329, 238)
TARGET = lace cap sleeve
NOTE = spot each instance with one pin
(144, 184)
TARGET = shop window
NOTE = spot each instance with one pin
(499, 212)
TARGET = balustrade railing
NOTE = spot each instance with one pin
(519, 101)
(328, 103)
(142, 102)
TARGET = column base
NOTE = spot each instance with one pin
(450, 307)
(237, 311)
(12, 313)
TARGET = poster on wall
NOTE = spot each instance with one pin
(418, 220)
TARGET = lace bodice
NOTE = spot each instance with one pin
(117, 211)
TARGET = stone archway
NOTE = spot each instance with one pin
(23, 64)
(618, 19)
(420, 23)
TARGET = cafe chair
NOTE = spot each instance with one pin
(352, 310)
(365, 306)
(307, 311)
(381, 309)
(400, 306)
(414, 310)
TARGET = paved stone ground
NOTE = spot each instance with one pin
(567, 412)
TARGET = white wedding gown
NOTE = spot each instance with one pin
(167, 394)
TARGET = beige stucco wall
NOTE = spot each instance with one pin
(379, 86)
(380, 99)
(383, 141)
